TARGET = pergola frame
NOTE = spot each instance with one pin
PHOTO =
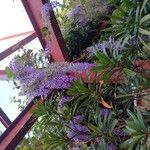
(4, 119)
(16, 46)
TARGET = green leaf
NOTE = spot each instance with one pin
(78, 88)
(131, 142)
(137, 129)
(102, 58)
(143, 42)
(98, 68)
(146, 17)
(9, 72)
(140, 118)
(133, 117)
(129, 72)
(113, 124)
(143, 31)
(45, 31)
(130, 130)
(94, 128)
(143, 6)
(107, 75)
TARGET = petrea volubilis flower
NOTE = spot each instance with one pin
(49, 6)
(47, 51)
(80, 67)
(119, 132)
(76, 11)
(111, 146)
(104, 112)
(40, 81)
(77, 131)
(76, 14)
(82, 21)
(63, 100)
(46, 8)
(110, 44)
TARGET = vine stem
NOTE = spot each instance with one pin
(134, 94)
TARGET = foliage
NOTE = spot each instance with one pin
(138, 130)
(91, 10)
(20, 102)
(55, 124)
(130, 21)
(102, 113)
(80, 24)
(61, 13)
(77, 39)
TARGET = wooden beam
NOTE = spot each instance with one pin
(19, 127)
(55, 41)
(4, 119)
(3, 75)
(16, 46)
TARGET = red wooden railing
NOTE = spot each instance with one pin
(4, 119)
(16, 46)
(17, 130)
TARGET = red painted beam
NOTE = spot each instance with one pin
(15, 47)
(55, 41)
(4, 119)
(3, 75)
(2, 72)
(16, 131)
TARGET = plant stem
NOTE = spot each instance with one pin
(134, 94)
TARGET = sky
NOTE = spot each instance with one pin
(13, 20)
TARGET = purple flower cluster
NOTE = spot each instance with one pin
(15, 66)
(45, 11)
(76, 14)
(80, 67)
(82, 21)
(76, 11)
(119, 132)
(23, 72)
(43, 87)
(65, 67)
(111, 146)
(49, 6)
(78, 119)
(77, 131)
(110, 44)
(63, 100)
(55, 3)
(60, 81)
(104, 111)
(76, 148)
(39, 82)
(47, 51)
